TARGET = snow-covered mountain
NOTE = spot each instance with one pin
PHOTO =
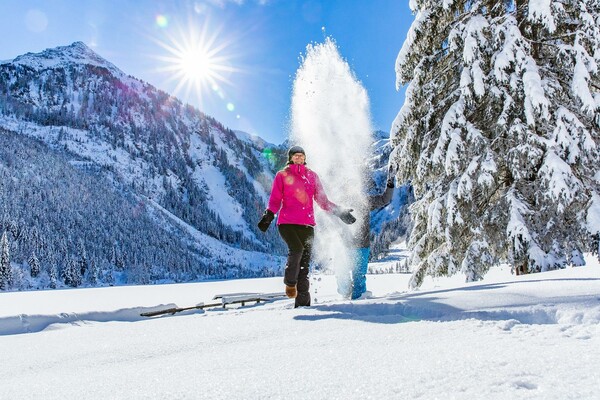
(66, 56)
(143, 144)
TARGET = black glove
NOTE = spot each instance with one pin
(392, 169)
(345, 215)
(266, 220)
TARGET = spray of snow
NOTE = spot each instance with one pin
(331, 121)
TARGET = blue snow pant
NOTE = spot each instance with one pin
(299, 240)
(354, 284)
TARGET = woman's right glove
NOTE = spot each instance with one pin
(266, 220)
(344, 214)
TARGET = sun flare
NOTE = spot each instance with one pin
(196, 61)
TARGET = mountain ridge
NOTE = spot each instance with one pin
(77, 52)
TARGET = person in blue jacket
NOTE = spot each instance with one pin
(354, 284)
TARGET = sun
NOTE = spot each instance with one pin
(196, 65)
(197, 61)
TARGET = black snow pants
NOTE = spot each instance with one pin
(299, 240)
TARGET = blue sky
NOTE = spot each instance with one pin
(251, 48)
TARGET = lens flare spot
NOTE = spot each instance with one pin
(268, 154)
(301, 196)
(200, 8)
(230, 106)
(162, 21)
(36, 21)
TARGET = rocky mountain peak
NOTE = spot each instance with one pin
(76, 53)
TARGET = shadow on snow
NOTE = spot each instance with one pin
(24, 323)
(429, 306)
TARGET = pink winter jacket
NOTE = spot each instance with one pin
(293, 192)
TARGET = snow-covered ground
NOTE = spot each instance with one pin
(507, 337)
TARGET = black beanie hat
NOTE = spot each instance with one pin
(293, 150)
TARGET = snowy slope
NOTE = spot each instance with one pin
(71, 97)
(526, 337)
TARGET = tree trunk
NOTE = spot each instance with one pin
(521, 268)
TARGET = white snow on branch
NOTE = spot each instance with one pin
(450, 141)
(563, 186)
(517, 228)
(535, 98)
(593, 214)
(584, 64)
(447, 4)
(465, 184)
(474, 38)
(453, 212)
(408, 45)
(406, 109)
(471, 38)
(434, 223)
(571, 135)
(504, 58)
(488, 171)
(540, 11)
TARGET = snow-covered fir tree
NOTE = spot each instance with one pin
(93, 273)
(5, 268)
(83, 259)
(499, 133)
(34, 265)
(72, 273)
(53, 275)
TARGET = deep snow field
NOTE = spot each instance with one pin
(507, 337)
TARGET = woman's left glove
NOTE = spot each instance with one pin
(266, 220)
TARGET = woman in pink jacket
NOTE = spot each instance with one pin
(294, 190)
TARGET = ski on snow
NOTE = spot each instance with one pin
(225, 300)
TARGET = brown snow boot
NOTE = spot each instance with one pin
(290, 291)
